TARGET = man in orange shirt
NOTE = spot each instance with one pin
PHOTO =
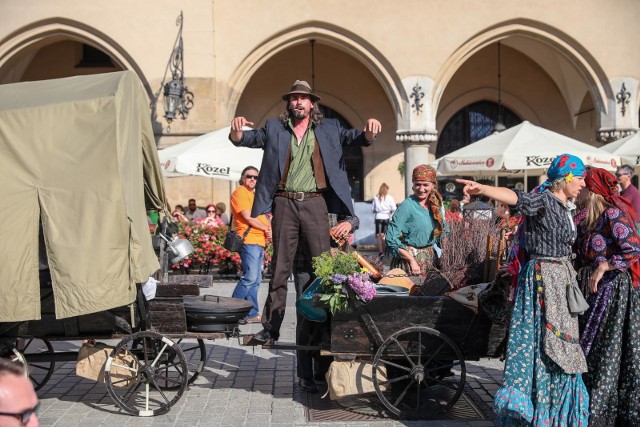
(252, 252)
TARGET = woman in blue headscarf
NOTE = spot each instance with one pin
(542, 376)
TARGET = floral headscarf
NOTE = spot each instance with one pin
(424, 173)
(564, 166)
(604, 183)
(427, 173)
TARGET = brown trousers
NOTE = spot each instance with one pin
(295, 224)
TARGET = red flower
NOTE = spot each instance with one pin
(573, 165)
(563, 160)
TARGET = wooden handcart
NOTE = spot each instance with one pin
(423, 344)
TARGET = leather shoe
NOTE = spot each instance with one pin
(262, 337)
(308, 385)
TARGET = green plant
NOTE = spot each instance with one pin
(401, 169)
(337, 271)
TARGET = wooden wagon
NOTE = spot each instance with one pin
(421, 343)
(154, 348)
(79, 172)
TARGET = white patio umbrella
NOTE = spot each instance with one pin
(211, 155)
(628, 148)
(521, 150)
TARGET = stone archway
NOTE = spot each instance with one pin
(544, 45)
(19, 48)
(327, 34)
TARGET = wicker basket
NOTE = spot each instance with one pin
(434, 284)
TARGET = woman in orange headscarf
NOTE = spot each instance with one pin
(415, 230)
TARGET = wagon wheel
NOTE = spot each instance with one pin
(138, 369)
(39, 372)
(425, 373)
(195, 355)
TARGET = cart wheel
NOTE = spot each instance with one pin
(425, 373)
(139, 368)
(195, 354)
(39, 372)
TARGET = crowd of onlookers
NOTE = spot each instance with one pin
(213, 215)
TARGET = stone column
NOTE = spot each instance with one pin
(417, 127)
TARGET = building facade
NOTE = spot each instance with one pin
(438, 75)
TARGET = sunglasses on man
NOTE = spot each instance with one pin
(618, 175)
(24, 416)
(251, 177)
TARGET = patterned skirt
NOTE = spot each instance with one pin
(611, 340)
(542, 377)
(426, 259)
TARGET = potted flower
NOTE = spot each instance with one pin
(207, 242)
(341, 276)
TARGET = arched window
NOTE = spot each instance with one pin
(472, 123)
(352, 156)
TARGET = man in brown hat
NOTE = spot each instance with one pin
(302, 179)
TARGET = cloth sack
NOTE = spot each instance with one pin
(468, 296)
(575, 299)
(352, 377)
(305, 304)
(91, 363)
(149, 288)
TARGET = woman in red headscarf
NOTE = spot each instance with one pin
(608, 249)
(416, 227)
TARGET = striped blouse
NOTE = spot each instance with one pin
(549, 228)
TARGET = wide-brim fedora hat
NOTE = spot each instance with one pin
(300, 86)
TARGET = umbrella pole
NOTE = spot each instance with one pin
(526, 189)
(495, 182)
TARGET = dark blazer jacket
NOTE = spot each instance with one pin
(275, 138)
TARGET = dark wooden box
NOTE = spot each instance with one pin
(173, 290)
(201, 280)
(473, 333)
(167, 315)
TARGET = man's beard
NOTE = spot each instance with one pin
(299, 113)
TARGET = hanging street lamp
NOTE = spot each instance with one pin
(178, 100)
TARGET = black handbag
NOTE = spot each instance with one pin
(232, 241)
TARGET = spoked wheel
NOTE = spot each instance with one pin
(146, 374)
(425, 373)
(195, 354)
(39, 372)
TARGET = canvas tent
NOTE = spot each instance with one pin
(78, 155)
(628, 148)
(520, 150)
(211, 155)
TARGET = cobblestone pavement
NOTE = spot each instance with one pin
(240, 386)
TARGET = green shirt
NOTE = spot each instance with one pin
(411, 225)
(301, 177)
